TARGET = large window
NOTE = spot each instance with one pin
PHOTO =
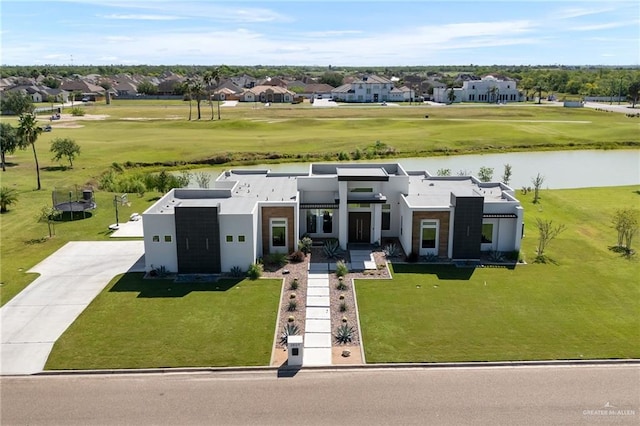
(319, 221)
(386, 217)
(429, 237)
(361, 190)
(487, 233)
(278, 233)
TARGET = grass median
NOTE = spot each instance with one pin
(138, 323)
(582, 305)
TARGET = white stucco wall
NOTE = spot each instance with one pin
(160, 253)
(237, 253)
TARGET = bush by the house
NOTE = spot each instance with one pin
(255, 271)
(341, 269)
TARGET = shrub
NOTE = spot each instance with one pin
(297, 256)
(8, 196)
(289, 330)
(391, 250)
(292, 306)
(341, 297)
(344, 334)
(341, 285)
(341, 269)
(343, 307)
(291, 318)
(294, 284)
(496, 256)
(292, 296)
(236, 271)
(430, 257)
(255, 271)
(331, 249)
(344, 319)
(77, 111)
(276, 259)
(305, 244)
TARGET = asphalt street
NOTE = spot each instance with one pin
(478, 395)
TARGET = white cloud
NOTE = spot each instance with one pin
(578, 12)
(605, 26)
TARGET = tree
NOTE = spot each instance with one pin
(633, 92)
(209, 78)
(8, 142)
(16, 103)
(538, 88)
(506, 175)
(197, 90)
(443, 172)
(537, 183)
(546, 233)
(332, 78)
(451, 95)
(485, 174)
(186, 86)
(65, 147)
(49, 214)
(74, 95)
(147, 88)
(8, 196)
(625, 222)
(202, 179)
(28, 132)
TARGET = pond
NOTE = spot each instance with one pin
(560, 169)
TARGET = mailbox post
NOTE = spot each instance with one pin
(295, 349)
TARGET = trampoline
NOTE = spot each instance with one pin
(73, 200)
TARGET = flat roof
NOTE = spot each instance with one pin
(429, 191)
(362, 174)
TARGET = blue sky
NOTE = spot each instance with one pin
(356, 33)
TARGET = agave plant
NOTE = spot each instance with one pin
(331, 249)
(496, 256)
(391, 250)
(292, 306)
(289, 330)
(344, 334)
(236, 272)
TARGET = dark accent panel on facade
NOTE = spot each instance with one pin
(319, 205)
(198, 240)
(363, 178)
(467, 227)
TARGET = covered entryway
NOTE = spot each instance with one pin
(359, 227)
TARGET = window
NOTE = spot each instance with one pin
(167, 238)
(229, 238)
(312, 221)
(429, 237)
(368, 90)
(386, 217)
(429, 233)
(487, 233)
(359, 205)
(241, 239)
(278, 233)
(362, 190)
(156, 238)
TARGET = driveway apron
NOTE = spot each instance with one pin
(69, 280)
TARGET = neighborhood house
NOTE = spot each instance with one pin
(250, 213)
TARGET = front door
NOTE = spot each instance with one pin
(360, 227)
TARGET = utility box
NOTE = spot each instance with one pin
(294, 348)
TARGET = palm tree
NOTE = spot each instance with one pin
(28, 132)
(8, 196)
(187, 90)
(210, 77)
(451, 96)
(197, 90)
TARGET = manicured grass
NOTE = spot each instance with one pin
(137, 323)
(157, 132)
(585, 305)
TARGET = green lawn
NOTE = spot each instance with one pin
(585, 305)
(137, 323)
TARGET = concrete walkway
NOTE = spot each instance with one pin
(69, 280)
(317, 336)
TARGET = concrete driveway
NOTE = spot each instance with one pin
(69, 280)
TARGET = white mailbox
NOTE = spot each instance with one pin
(294, 348)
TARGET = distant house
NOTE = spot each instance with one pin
(227, 90)
(87, 89)
(245, 81)
(317, 91)
(247, 214)
(125, 88)
(267, 94)
(489, 89)
(39, 93)
(371, 88)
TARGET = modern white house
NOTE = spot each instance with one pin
(250, 213)
(489, 90)
(371, 88)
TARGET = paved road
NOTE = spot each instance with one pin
(69, 280)
(512, 395)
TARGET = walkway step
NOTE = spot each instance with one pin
(318, 301)
(318, 291)
(316, 356)
(318, 326)
(318, 313)
(317, 340)
(318, 282)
